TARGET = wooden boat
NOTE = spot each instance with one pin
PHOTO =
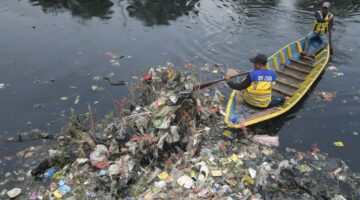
(295, 75)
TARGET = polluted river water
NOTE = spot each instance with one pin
(54, 49)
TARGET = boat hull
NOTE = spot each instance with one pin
(295, 77)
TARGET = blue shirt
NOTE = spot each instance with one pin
(256, 75)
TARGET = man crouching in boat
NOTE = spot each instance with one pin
(322, 28)
(257, 86)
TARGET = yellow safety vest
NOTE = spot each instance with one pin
(258, 94)
(322, 28)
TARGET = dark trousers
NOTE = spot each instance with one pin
(276, 100)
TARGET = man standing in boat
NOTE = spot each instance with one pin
(322, 28)
(257, 86)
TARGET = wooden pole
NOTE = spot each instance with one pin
(210, 83)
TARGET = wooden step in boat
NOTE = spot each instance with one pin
(295, 75)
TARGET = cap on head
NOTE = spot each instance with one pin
(259, 59)
(326, 5)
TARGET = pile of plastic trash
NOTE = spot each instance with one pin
(168, 141)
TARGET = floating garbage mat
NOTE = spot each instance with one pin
(165, 141)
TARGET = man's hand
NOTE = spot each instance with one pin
(230, 73)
